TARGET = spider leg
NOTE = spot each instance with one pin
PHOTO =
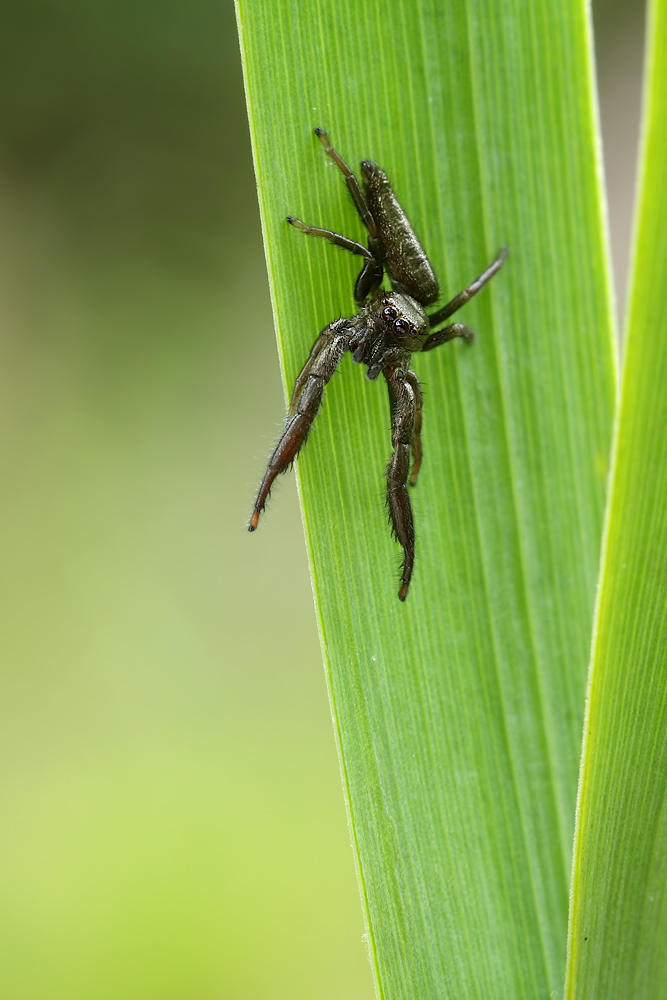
(417, 453)
(335, 238)
(402, 403)
(306, 399)
(460, 300)
(449, 333)
(352, 184)
(370, 276)
(315, 351)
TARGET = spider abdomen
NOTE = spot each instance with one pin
(403, 255)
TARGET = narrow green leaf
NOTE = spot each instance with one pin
(618, 924)
(458, 715)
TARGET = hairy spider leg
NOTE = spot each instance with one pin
(460, 300)
(315, 351)
(417, 453)
(323, 361)
(371, 274)
(402, 403)
(352, 184)
(448, 333)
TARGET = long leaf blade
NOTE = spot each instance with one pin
(458, 716)
(618, 921)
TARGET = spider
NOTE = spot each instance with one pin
(389, 327)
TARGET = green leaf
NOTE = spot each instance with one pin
(458, 715)
(618, 921)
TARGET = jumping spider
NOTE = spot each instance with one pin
(389, 327)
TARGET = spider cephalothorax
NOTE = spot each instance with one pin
(389, 327)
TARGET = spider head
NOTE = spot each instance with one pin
(403, 320)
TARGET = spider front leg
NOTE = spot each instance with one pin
(323, 361)
(320, 344)
(403, 406)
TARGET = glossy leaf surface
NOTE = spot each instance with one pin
(458, 715)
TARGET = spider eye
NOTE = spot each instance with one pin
(402, 326)
(390, 314)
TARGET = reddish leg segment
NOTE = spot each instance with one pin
(322, 363)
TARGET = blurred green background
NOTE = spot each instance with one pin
(172, 821)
